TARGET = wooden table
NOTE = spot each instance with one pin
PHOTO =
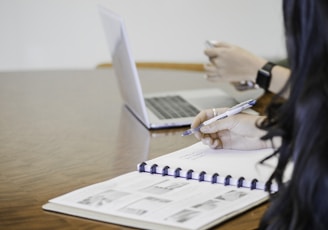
(62, 130)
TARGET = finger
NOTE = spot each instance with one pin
(216, 126)
(212, 43)
(215, 140)
(213, 135)
(209, 67)
(216, 144)
(198, 119)
(213, 143)
(211, 52)
(201, 117)
(210, 75)
(207, 141)
(215, 51)
(211, 71)
(198, 135)
(219, 125)
(214, 60)
(222, 45)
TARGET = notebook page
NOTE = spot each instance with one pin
(154, 202)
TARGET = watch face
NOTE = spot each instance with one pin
(265, 72)
(263, 77)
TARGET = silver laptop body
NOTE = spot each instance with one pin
(143, 106)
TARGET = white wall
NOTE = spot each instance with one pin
(66, 34)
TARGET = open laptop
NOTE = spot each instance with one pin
(153, 110)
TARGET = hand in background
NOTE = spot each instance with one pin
(232, 63)
(235, 132)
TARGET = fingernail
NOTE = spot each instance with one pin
(215, 144)
(206, 141)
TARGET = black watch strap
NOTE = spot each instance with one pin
(263, 77)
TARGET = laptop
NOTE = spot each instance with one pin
(155, 111)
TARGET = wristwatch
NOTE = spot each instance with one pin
(263, 77)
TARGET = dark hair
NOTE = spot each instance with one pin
(302, 122)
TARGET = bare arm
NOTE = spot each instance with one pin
(233, 63)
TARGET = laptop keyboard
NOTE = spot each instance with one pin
(171, 107)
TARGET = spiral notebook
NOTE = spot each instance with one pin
(192, 188)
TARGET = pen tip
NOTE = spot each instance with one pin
(186, 133)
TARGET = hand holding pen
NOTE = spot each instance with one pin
(231, 129)
(232, 111)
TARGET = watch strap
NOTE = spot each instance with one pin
(263, 78)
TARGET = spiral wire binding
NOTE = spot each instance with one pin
(153, 169)
(177, 172)
(215, 178)
(189, 174)
(201, 176)
(240, 182)
(227, 180)
(165, 171)
(253, 184)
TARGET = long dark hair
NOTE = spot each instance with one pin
(302, 122)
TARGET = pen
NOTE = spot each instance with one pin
(210, 44)
(232, 111)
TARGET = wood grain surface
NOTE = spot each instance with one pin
(62, 130)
